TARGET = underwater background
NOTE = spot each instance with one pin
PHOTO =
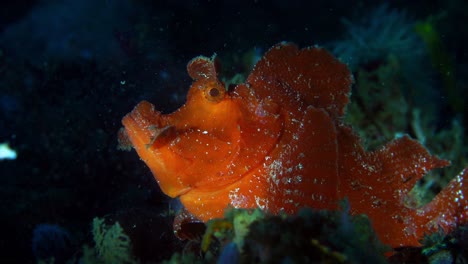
(70, 70)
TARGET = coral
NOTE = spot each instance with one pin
(112, 245)
(371, 38)
(230, 254)
(233, 227)
(184, 259)
(320, 236)
(314, 236)
(378, 109)
(374, 36)
(309, 236)
(51, 243)
(446, 248)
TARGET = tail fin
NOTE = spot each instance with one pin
(450, 207)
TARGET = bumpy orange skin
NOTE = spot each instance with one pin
(277, 142)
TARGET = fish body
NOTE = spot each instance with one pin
(277, 142)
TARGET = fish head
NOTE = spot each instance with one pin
(193, 146)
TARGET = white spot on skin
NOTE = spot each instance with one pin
(237, 200)
(275, 171)
(316, 197)
(298, 193)
(262, 203)
(286, 180)
(298, 179)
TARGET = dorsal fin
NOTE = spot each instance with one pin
(312, 73)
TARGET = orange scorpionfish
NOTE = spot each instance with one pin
(277, 142)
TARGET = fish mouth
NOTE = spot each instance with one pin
(142, 124)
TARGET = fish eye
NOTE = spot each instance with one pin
(214, 93)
